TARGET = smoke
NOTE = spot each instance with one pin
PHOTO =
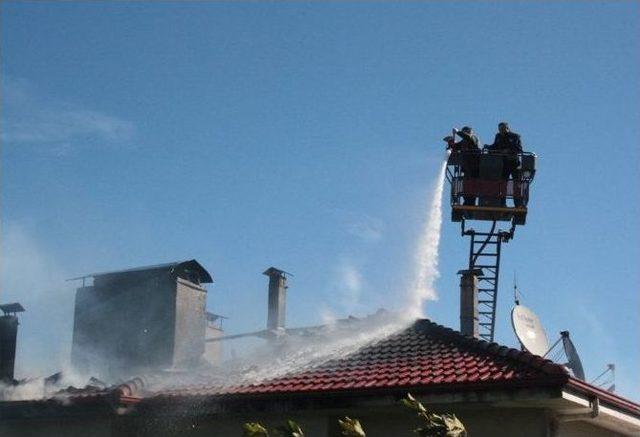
(44, 388)
(426, 257)
(33, 277)
(349, 285)
(31, 389)
(293, 352)
(327, 343)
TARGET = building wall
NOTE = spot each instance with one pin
(194, 420)
(393, 421)
(69, 427)
(480, 421)
(123, 326)
(190, 323)
(213, 349)
(583, 429)
(129, 322)
(222, 426)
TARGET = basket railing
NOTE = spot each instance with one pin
(515, 187)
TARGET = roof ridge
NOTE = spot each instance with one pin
(534, 361)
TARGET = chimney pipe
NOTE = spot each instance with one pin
(469, 302)
(8, 334)
(277, 298)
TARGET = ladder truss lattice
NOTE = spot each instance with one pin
(484, 255)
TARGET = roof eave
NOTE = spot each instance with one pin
(607, 397)
(467, 391)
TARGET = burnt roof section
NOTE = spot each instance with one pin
(178, 268)
(11, 308)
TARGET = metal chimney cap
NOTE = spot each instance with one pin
(272, 271)
(475, 272)
(12, 308)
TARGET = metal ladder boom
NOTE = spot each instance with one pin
(484, 254)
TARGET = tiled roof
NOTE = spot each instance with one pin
(424, 355)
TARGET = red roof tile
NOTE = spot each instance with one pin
(423, 355)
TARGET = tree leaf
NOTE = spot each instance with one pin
(411, 402)
(435, 425)
(290, 429)
(351, 427)
(254, 429)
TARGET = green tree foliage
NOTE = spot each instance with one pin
(289, 429)
(351, 427)
(254, 429)
(435, 425)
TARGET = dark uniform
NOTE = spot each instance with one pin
(470, 151)
(509, 145)
(469, 142)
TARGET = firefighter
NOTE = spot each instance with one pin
(469, 150)
(469, 141)
(507, 144)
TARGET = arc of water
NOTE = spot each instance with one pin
(426, 255)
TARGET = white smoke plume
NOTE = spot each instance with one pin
(297, 350)
(32, 276)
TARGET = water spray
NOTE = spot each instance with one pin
(426, 257)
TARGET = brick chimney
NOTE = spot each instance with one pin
(469, 302)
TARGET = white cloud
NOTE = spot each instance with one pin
(29, 118)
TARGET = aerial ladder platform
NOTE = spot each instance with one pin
(492, 202)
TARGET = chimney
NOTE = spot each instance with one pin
(8, 334)
(469, 302)
(277, 298)
(141, 319)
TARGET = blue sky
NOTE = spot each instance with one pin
(308, 136)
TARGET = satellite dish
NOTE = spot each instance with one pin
(529, 330)
(572, 355)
